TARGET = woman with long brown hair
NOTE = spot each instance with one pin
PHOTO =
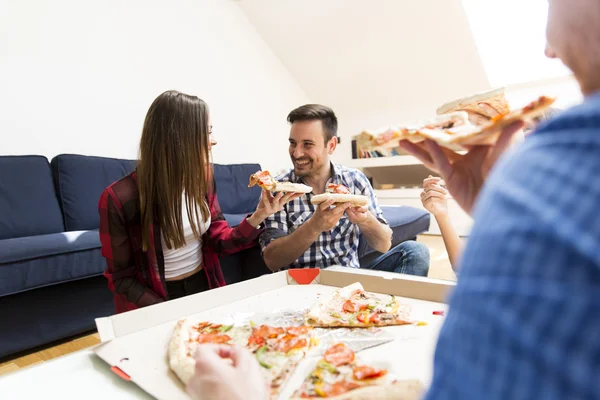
(161, 227)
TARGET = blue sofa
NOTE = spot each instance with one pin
(51, 283)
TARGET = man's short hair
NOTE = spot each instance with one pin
(314, 112)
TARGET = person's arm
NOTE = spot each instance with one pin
(281, 249)
(453, 242)
(285, 249)
(227, 240)
(121, 271)
(378, 234)
(370, 219)
(434, 200)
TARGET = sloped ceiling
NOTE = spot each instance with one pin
(360, 55)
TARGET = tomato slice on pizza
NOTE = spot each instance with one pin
(337, 189)
(262, 179)
(341, 375)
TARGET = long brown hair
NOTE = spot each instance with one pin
(174, 159)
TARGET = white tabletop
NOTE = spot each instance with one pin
(80, 375)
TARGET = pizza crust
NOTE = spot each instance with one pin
(399, 390)
(180, 362)
(291, 187)
(495, 98)
(357, 200)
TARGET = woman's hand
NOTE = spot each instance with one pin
(270, 204)
(434, 196)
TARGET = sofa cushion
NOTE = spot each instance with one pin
(235, 197)
(234, 219)
(32, 262)
(28, 202)
(406, 223)
(27, 248)
(80, 180)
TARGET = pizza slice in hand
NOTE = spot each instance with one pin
(340, 375)
(352, 306)
(267, 182)
(262, 179)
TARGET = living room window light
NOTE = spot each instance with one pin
(511, 37)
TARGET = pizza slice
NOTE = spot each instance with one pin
(267, 182)
(353, 307)
(455, 131)
(188, 335)
(489, 133)
(340, 375)
(342, 195)
(278, 350)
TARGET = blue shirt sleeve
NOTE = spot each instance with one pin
(524, 319)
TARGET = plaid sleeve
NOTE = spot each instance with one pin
(275, 227)
(364, 187)
(224, 239)
(121, 270)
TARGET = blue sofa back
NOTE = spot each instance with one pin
(80, 180)
(28, 203)
(235, 197)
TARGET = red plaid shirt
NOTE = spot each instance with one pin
(136, 277)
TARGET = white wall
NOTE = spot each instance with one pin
(78, 76)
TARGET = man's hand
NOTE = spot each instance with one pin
(464, 174)
(226, 373)
(358, 215)
(325, 218)
(269, 205)
(434, 196)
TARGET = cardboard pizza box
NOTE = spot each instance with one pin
(134, 344)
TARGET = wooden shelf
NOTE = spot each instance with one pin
(384, 162)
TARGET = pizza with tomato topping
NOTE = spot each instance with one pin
(265, 180)
(353, 307)
(340, 375)
(453, 130)
(342, 195)
(278, 350)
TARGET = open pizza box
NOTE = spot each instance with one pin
(134, 344)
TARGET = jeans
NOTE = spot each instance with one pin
(408, 257)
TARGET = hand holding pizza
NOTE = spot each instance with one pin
(226, 372)
(326, 218)
(358, 215)
(270, 204)
(464, 174)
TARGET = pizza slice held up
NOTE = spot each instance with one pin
(341, 194)
(266, 181)
(456, 132)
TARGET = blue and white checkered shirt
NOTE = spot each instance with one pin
(338, 247)
(524, 318)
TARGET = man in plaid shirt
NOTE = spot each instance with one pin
(304, 235)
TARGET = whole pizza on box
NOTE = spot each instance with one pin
(279, 350)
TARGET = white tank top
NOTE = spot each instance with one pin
(187, 258)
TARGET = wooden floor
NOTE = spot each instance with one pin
(439, 268)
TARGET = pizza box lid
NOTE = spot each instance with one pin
(134, 344)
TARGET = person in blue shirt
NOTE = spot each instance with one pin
(524, 318)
